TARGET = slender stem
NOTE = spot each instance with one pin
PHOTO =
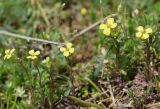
(94, 85)
(39, 73)
(43, 13)
(15, 100)
(7, 99)
(25, 69)
(28, 74)
(117, 46)
(148, 61)
(40, 83)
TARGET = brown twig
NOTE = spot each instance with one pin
(90, 27)
(153, 105)
(112, 96)
(28, 38)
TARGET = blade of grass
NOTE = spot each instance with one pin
(84, 103)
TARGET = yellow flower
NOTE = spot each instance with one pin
(143, 33)
(102, 26)
(83, 11)
(33, 54)
(108, 26)
(110, 23)
(8, 53)
(68, 50)
(47, 61)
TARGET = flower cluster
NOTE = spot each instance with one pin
(8, 53)
(33, 54)
(108, 26)
(143, 33)
(68, 50)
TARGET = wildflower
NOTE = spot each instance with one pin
(83, 11)
(33, 54)
(143, 33)
(108, 26)
(47, 61)
(68, 50)
(8, 53)
(20, 92)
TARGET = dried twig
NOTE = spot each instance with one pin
(90, 27)
(98, 95)
(28, 38)
(112, 96)
(153, 105)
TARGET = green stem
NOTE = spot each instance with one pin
(40, 83)
(148, 61)
(117, 46)
(93, 84)
(7, 99)
(15, 100)
(84, 103)
(40, 76)
(43, 13)
(25, 70)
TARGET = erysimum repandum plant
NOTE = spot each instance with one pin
(145, 34)
(111, 30)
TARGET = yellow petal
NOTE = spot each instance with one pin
(71, 50)
(31, 52)
(66, 53)
(138, 34)
(140, 29)
(114, 25)
(145, 36)
(107, 31)
(5, 57)
(148, 30)
(28, 57)
(37, 53)
(33, 57)
(7, 51)
(8, 56)
(12, 50)
(110, 21)
(102, 26)
(69, 45)
(62, 49)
